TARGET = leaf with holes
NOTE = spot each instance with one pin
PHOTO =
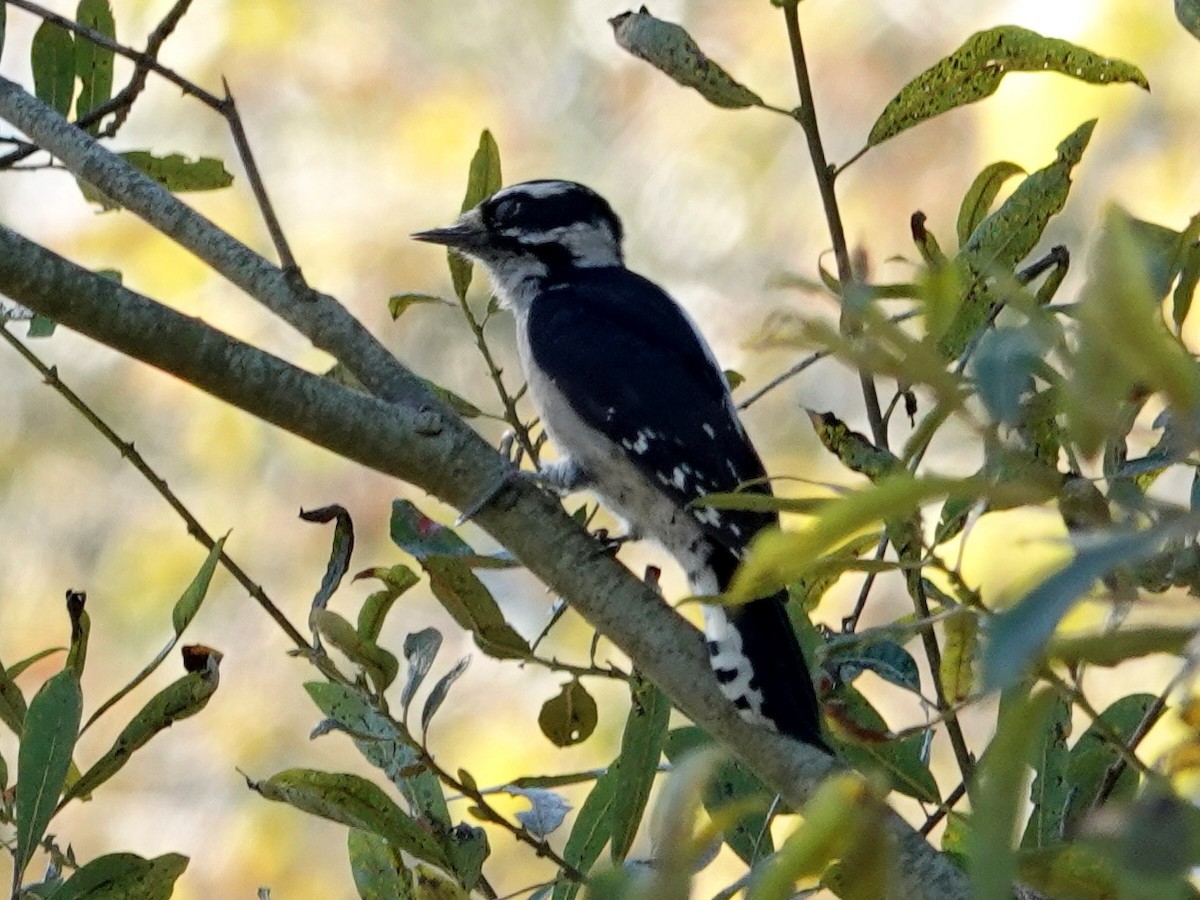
(124, 875)
(671, 50)
(180, 699)
(386, 744)
(1050, 790)
(570, 717)
(377, 868)
(354, 801)
(974, 71)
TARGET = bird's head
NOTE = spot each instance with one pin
(534, 231)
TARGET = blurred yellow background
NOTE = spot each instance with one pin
(363, 116)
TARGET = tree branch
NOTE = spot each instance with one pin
(402, 431)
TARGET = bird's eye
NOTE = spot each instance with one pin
(506, 211)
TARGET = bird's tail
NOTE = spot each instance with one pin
(761, 668)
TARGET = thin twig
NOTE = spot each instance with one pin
(287, 262)
(933, 654)
(472, 793)
(806, 115)
(495, 373)
(784, 376)
(126, 449)
(940, 813)
(102, 40)
(1114, 772)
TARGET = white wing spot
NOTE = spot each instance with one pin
(679, 477)
(709, 430)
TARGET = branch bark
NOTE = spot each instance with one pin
(403, 431)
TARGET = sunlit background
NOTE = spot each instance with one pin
(363, 116)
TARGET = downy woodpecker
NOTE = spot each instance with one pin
(632, 397)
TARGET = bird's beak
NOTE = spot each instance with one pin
(465, 234)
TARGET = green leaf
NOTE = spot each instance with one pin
(52, 57)
(175, 172)
(483, 180)
(124, 876)
(1185, 288)
(1114, 647)
(1094, 754)
(378, 870)
(417, 534)
(1188, 14)
(50, 730)
(188, 604)
(468, 849)
(998, 795)
(1124, 348)
(182, 614)
(1007, 236)
(1070, 871)
(777, 558)
(40, 326)
(589, 834)
(81, 629)
(569, 717)
(854, 450)
(1050, 790)
(974, 71)
(12, 701)
(1004, 365)
(828, 823)
(387, 745)
(900, 760)
(887, 659)
(957, 672)
(437, 695)
(180, 699)
(339, 553)
(472, 606)
(756, 502)
(456, 402)
(732, 785)
(637, 764)
(396, 580)
(398, 303)
(671, 50)
(980, 196)
(1018, 635)
(420, 650)
(94, 64)
(380, 665)
(3, 23)
(354, 801)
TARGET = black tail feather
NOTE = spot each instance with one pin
(780, 670)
